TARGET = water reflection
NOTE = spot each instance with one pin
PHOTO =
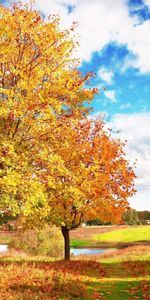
(3, 248)
(84, 251)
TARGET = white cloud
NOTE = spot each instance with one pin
(135, 129)
(105, 75)
(147, 2)
(141, 201)
(101, 22)
(111, 95)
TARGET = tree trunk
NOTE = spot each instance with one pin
(65, 233)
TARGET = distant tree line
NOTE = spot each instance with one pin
(144, 216)
(130, 217)
(97, 222)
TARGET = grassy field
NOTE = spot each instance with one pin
(84, 237)
(115, 236)
(122, 275)
(80, 244)
(140, 233)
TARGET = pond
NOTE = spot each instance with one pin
(3, 248)
(84, 251)
(74, 251)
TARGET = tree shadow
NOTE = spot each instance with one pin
(56, 288)
(90, 268)
(114, 289)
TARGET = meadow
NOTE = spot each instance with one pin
(135, 234)
(122, 274)
(110, 236)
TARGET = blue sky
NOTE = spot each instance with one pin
(131, 89)
(114, 39)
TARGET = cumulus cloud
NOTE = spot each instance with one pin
(147, 2)
(135, 129)
(111, 95)
(105, 75)
(102, 22)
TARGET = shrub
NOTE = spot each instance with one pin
(46, 241)
(130, 217)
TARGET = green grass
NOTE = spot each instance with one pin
(118, 289)
(126, 235)
(79, 243)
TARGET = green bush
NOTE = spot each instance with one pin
(130, 217)
(47, 241)
(97, 222)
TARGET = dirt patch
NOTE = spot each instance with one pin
(7, 234)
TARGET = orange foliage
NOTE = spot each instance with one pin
(39, 83)
(94, 178)
(55, 163)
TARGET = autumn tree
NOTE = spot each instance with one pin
(39, 83)
(90, 176)
(55, 164)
